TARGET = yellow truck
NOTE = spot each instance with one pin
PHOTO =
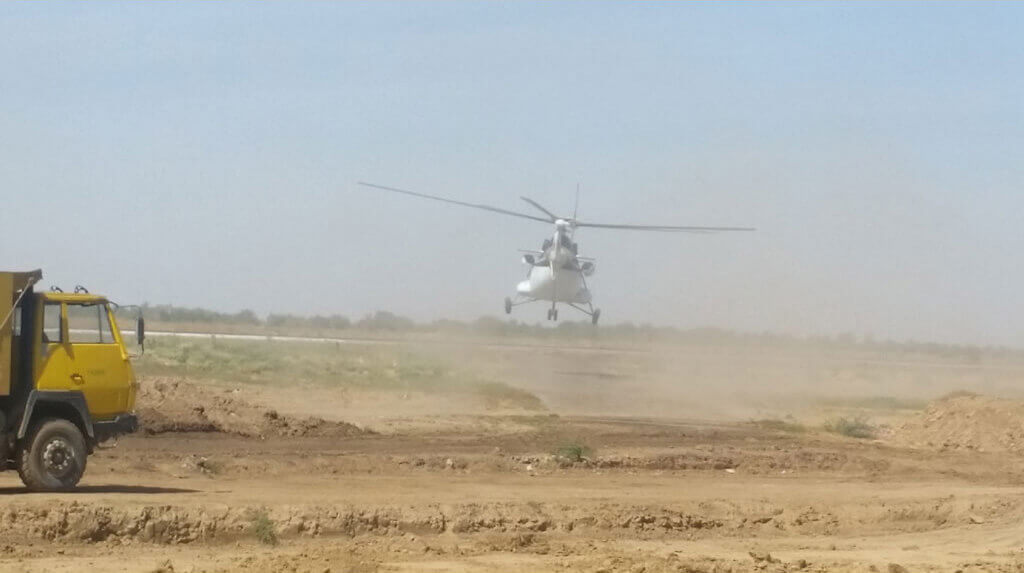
(66, 380)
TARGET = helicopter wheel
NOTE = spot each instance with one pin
(508, 305)
(554, 314)
(595, 317)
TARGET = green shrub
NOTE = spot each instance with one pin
(574, 452)
(262, 528)
(857, 427)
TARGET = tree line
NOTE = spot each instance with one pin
(385, 321)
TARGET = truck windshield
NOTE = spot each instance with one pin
(89, 324)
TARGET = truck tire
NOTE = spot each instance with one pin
(52, 456)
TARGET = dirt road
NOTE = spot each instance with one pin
(391, 463)
(680, 496)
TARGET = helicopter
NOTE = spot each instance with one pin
(557, 273)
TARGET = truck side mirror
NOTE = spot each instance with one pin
(140, 331)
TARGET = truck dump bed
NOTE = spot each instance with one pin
(12, 285)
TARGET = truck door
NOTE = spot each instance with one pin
(53, 358)
(97, 364)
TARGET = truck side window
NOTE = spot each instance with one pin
(89, 324)
(51, 322)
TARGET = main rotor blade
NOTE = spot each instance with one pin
(454, 202)
(537, 205)
(664, 228)
(576, 205)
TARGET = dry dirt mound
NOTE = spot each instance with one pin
(174, 405)
(966, 422)
(709, 518)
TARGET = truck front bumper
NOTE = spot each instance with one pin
(122, 424)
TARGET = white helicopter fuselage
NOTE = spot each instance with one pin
(558, 276)
(565, 286)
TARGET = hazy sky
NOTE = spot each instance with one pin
(205, 154)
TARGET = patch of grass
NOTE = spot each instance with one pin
(497, 395)
(574, 452)
(779, 425)
(203, 465)
(262, 528)
(237, 360)
(382, 368)
(857, 427)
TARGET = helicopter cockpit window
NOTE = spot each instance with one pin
(567, 243)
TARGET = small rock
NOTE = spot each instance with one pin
(763, 557)
(897, 568)
(165, 567)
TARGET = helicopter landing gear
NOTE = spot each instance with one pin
(593, 313)
(508, 305)
(553, 314)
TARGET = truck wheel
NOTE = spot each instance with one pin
(52, 456)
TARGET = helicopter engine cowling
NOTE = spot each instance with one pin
(588, 268)
(528, 259)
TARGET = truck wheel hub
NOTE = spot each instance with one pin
(58, 455)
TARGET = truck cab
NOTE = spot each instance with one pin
(66, 380)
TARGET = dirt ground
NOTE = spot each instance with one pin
(688, 460)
